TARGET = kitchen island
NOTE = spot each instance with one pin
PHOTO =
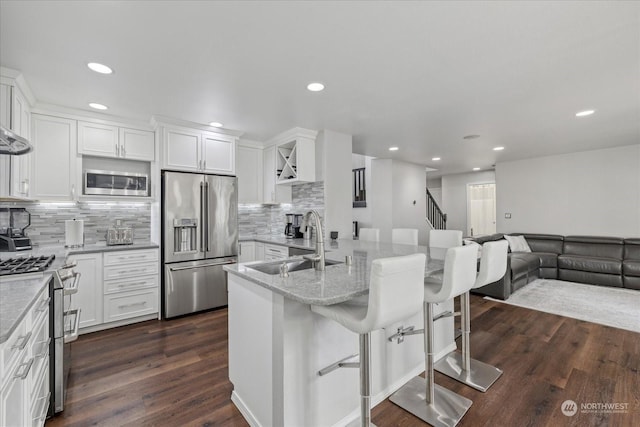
(277, 344)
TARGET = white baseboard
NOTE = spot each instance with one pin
(244, 410)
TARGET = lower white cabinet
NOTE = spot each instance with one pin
(259, 251)
(247, 252)
(89, 296)
(24, 368)
(275, 252)
(116, 286)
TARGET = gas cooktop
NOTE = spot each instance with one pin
(19, 265)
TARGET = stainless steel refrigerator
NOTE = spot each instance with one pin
(199, 236)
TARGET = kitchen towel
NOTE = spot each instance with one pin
(74, 233)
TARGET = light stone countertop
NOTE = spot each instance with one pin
(280, 240)
(18, 294)
(339, 282)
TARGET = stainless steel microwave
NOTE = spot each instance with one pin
(108, 183)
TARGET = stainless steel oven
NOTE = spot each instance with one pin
(108, 183)
(64, 330)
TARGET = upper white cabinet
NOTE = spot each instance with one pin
(196, 150)
(15, 114)
(249, 172)
(295, 156)
(54, 158)
(273, 193)
(97, 139)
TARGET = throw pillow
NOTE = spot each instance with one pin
(518, 244)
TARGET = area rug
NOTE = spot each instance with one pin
(608, 306)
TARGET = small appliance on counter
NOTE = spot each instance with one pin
(13, 223)
(73, 233)
(119, 235)
(292, 227)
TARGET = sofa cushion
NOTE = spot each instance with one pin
(524, 262)
(547, 260)
(632, 249)
(590, 264)
(590, 277)
(589, 246)
(518, 244)
(631, 267)
(490, 238)
(544, 242)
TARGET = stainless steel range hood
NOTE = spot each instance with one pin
(13, 144)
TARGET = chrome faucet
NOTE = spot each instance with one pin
(318, 257)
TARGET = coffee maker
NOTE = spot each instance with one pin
(297, 224)
(288, 228)
(13, 222)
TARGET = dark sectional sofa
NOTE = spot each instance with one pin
(605, 261)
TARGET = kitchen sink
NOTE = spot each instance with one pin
(273, 267)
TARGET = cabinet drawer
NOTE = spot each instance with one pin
(40, 308)
(112, 286)
(122, 271)
(13, 347)
(275, 252)
(130, 304)
(39, 351)
(130, 257)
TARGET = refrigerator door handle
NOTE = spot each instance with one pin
(203, 219)
(206, 217)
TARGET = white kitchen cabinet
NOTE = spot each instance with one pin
(273, 193)
(249, 172)
(131, 284)
(98, 139)
(259, 251)
(24, 384)
(89, 296)
(247, 252)
(54, 158)
(199, 151)
(295, 161)
(275, 252)
(15, 115)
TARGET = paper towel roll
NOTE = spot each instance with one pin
(74, 233)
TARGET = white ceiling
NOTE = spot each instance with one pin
(419, 75)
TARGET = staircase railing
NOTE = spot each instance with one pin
(435, 216)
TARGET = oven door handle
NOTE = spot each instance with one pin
(74, 286)
(76, 326)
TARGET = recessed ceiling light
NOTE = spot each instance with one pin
(498, 148)
(97, 106)
(393, 148)
(215, 124)
(471, 136)
(476, 169)
(435, 159)
(585, 113)
(99, 68)
(315, 87)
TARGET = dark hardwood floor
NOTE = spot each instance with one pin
(174, 373)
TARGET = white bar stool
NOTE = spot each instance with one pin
(369, 234)
(421, 396)
(460, 366)
(396, 292)
(405, 236)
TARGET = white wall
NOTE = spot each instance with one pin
(410, 198)
(396, 185)
(363, 215)
(592, 192)
(381, 197)
(335, 170)
(454, 196)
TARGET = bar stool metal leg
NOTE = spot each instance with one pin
(365, 380)
(422, 397)
(459, 365)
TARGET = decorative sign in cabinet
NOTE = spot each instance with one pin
(97, 139)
